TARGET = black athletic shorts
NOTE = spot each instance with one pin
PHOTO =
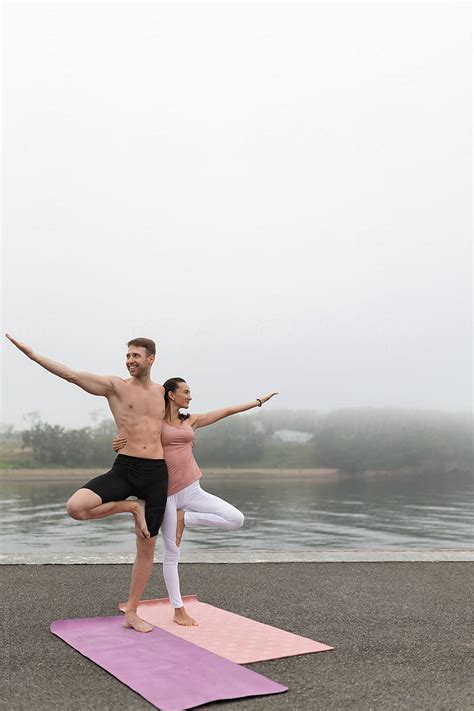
(146, 479)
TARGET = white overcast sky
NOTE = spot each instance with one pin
(278, 194)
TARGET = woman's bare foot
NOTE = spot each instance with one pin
(181, 617)
(179, 527)
(132, 620)
(138, 512)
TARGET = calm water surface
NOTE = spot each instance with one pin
(280, 513)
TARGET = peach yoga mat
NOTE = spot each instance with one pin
(231, 636)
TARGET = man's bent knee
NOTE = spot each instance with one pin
(80, 503)
(74, 512)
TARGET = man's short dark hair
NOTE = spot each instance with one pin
(145, 343)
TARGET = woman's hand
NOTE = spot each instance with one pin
(267, 397)
(118, 443)
(208, 418)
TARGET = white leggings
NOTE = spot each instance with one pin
(202, 509)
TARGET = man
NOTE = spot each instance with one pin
(138, 407)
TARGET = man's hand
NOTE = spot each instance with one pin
(91, 383)
(27, 350)
(118, 443)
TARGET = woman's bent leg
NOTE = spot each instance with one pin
(203, 509)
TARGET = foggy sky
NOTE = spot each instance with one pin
(278, 194)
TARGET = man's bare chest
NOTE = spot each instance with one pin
(142, 403)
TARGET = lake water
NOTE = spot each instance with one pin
(280, 513)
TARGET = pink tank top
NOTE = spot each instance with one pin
(178, 445)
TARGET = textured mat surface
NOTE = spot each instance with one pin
(167, 671)
(238, 639)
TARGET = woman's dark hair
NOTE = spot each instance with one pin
(171, 385)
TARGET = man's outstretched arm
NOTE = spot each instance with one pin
(91, 383)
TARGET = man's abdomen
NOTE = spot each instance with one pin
(143, 439)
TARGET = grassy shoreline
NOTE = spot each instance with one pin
(321, 473)
(85, 474)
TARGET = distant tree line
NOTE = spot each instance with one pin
(53, 445)
(373, 439)
(352, 440)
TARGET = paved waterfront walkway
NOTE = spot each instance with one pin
(400, 629)
(242, 555)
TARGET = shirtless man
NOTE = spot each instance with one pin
(137, 405)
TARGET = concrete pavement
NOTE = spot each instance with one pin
(400, 631)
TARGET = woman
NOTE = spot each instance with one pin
(187, 504)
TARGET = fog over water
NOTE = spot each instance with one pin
(278, 194)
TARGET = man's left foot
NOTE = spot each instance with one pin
(138, 511)
(181, 617)
(179, 527)
(132, 620)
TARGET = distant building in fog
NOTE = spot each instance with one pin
(291, 436)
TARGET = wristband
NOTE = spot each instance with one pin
(259, 402)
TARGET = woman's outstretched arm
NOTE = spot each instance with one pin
(208, 418)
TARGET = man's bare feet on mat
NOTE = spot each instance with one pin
(132, 620)
(179, 526)
(181, 617)
(141, 528)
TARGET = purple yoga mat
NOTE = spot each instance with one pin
(169, 672)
